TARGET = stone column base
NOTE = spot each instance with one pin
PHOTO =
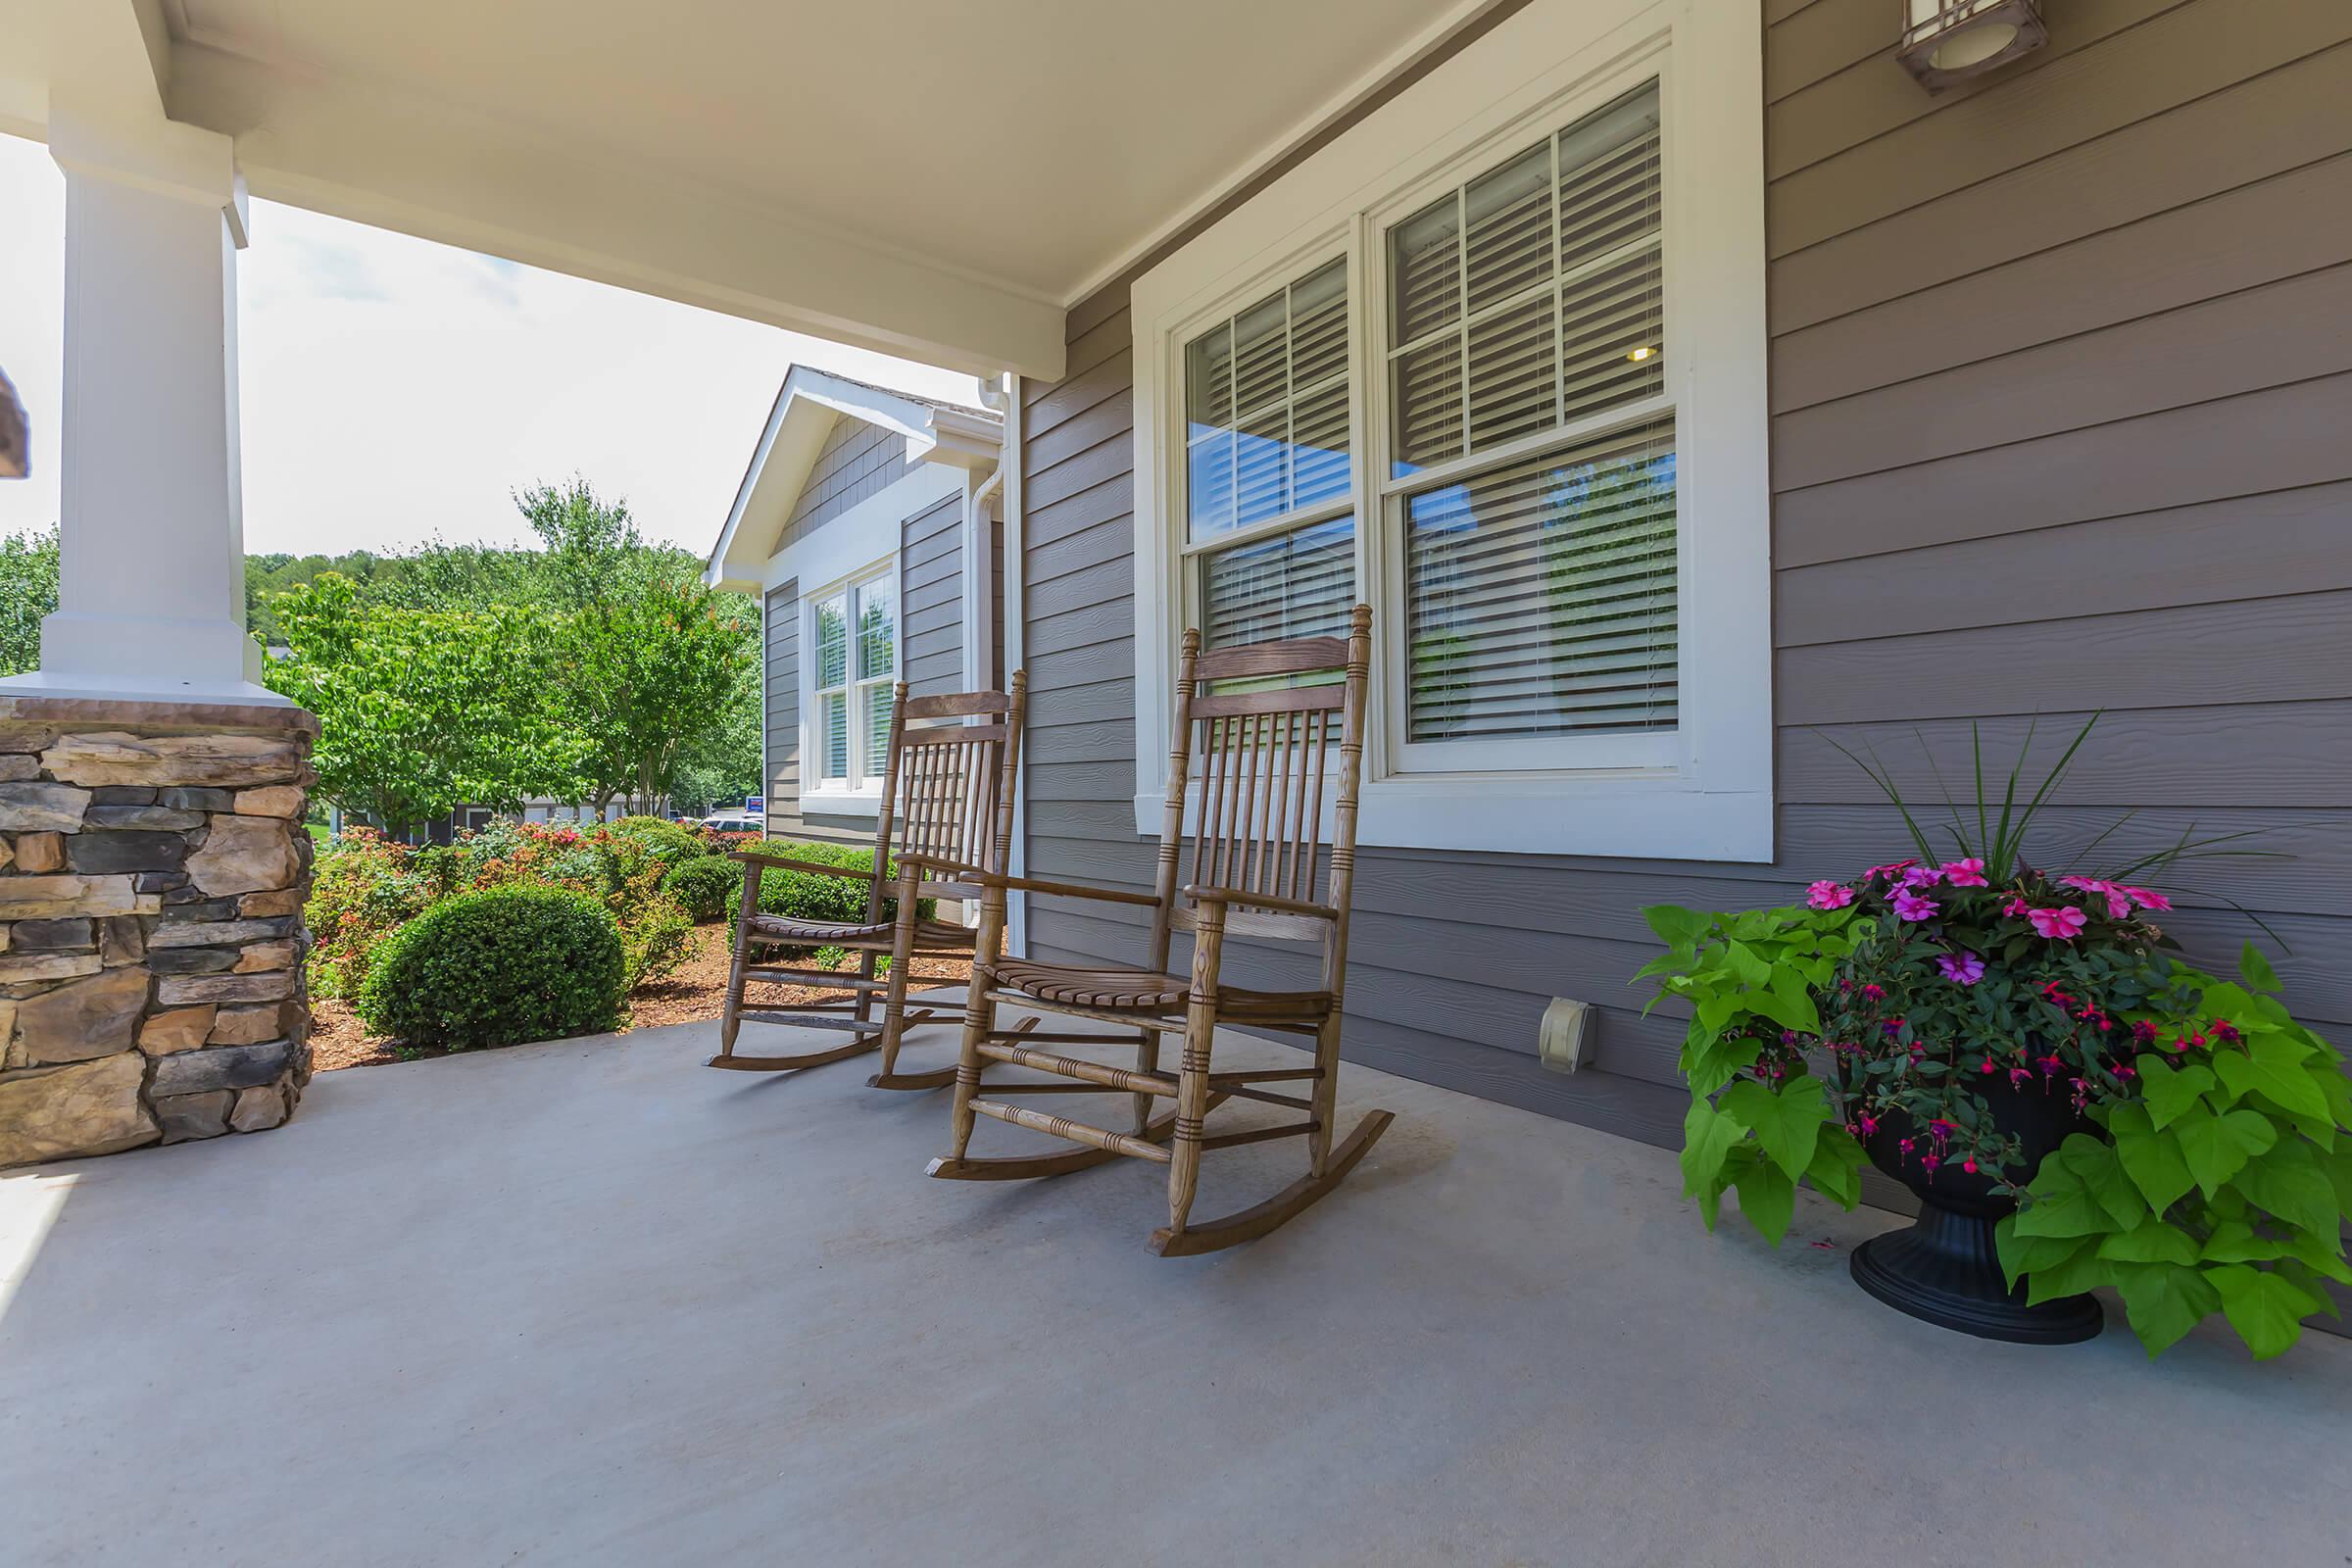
(152, 869)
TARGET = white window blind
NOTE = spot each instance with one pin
(1540, 584)
(1542, 595)
(853, 664)
(831, 719)
(877, 668)
(1301, 583)
(1270, 465)
(1533, 295)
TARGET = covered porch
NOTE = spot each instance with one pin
(630, 1311)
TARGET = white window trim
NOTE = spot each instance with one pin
(867, 537)
(860, 795)
(1711, 799)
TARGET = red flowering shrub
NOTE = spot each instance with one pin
(368, 887)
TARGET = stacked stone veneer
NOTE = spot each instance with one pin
(153, 867)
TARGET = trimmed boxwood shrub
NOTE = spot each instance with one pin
(803, 896)
(701, 886)
(495, 968)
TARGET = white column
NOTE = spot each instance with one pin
(151, 600)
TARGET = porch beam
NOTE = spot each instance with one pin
(371, 154)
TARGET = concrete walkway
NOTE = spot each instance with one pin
(590, 1304)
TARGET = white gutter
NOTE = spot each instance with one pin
(1005, 401)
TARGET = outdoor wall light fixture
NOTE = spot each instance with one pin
(1948, 41)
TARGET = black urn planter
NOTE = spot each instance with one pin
(1944, 1269)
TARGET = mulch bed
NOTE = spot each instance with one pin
(696, 990)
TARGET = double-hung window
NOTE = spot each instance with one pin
(853, 666)
(1530, 538)
(1506, 387)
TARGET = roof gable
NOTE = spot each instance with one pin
(808, 409)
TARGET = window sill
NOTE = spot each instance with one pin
(842, 803)
(1621, 816)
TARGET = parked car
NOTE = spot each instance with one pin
(731, 822)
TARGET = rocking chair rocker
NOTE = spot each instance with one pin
(947, 790)
(1259, 809)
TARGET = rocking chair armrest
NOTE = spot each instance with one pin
(782, 864)
(1202, 893)
(958, 870)
(1029, 884)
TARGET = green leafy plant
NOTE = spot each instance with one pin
(2215, 1175)
(701, 886)
(497, 967)
(673, 844)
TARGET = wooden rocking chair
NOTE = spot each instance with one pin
(947, 788)
(1260, 801)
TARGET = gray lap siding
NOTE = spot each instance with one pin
(2052, 431)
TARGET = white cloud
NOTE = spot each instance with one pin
(395, 389)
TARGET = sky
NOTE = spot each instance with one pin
(394, 390)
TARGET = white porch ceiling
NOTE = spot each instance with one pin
(928, 176)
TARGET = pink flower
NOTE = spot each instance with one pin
(1896, 870)
(2146, 899)
(2117, 907)
(1922, 876)
(1969, 1166)
(1828, 895)
(1962, 969)
(2014, 908)
(1912, 906)
(2059, 926)
(1968, 873)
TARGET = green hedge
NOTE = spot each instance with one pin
(495, 968)
(700, 887)
(805, 895)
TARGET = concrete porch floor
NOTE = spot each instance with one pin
(590, 1303)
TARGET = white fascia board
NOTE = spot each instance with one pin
(462, 177)
(1431, 40)
(965, 438)
(806, 406)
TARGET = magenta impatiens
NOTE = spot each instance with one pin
(2062, 923)
(1909, 905)
(1827, 895)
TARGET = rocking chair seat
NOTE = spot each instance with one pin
(1149, 991)
(928, 934)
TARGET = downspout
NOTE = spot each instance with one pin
(1003, 397)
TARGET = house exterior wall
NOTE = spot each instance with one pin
(931, 608)
(857, 463)
(2059, 397)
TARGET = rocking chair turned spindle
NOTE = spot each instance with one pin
(1258, 814)
(946, 789)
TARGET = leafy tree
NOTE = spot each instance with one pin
(647, 676)
(722, 766)
(28, 592)
(423, 711)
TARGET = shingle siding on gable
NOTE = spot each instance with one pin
(858, 461)
(2052, 431)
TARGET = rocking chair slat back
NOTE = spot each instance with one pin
(947, 787)
(1267, 760)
